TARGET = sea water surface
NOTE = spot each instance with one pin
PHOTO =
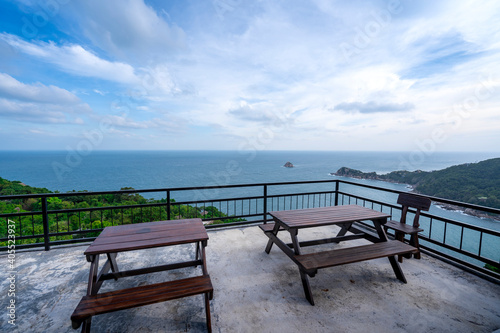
(112, 170)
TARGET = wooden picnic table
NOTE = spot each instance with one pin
(131, 237)
(344, 216)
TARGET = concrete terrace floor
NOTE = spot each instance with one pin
(256, 292)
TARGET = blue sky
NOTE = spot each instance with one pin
(260, 75)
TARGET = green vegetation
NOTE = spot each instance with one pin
(492, 268)
(89, 220)
(475, 183)
(16, 187)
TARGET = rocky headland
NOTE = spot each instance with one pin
(474, 183)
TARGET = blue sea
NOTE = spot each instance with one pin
(112, 170)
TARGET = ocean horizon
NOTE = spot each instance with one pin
(114, 169)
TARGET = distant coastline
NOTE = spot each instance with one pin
(111, 170)
(473, 183)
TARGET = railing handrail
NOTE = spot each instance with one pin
(209, 187)
(265, 195)
(424, 214)
(262, 211)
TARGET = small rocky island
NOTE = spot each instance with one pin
(288, 165)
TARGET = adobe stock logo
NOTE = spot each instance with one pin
(452, 121)
(372, 29)
(223, 7)
(48, 10)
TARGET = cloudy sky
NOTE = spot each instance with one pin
(237, 74)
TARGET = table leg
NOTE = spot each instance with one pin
(392, 259)
(303, 276)
(380, 230)
(86, 325)
(204, 258)
(112, 262)
(95, 280)
(94, 267)
(414, 242)
(399, 236)
(295, 241)
(344, 230)
(207, 313)
(307, 286)
(397, 269)
(270, 241)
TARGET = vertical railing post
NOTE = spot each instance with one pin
(265, 204)
(45, 222)
(336, 193)
(168, 205)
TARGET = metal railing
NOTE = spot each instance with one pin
(49, 223)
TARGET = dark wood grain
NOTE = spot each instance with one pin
(344, 216)
(268, 227)
(149, 227)
(148, 235)
(403, 227)
(408, 201)
(417, 202)
(128, 298)
(314, 261)
(316, 217)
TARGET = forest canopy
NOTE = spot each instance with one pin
(474, 183)
(85, 215)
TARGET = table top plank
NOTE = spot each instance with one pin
(143, 231)
(148, 235)
(315, 217)
(126, 229)
(159, 236)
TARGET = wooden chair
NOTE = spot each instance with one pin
(401, 228)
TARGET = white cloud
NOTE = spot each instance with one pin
(41, 112)
(38, 103)
(372, 106)
(194, 69)
(158, 83)
(97, 91)
(128, 29)
(257, 112)
(159, 124)
(13, 89)
(74, 59)
(125, 122)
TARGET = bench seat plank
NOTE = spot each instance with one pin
(138, 296)
(314, 261)
(268, 227)
(403, 227)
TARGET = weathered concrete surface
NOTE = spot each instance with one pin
(256, 292)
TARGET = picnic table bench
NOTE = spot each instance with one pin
(344, 216)
(114, 240)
